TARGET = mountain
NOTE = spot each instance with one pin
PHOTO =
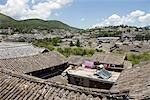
(6, 21)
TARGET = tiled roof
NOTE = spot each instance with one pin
(33, 63)
(77, 60)
(143, 48)
(15, 86)
(136, 80)
(23, 87)
(108, 38)
(15, 50)
(18, 88)
(59, 79)
(109, 58)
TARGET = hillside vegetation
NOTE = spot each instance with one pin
(29, 24)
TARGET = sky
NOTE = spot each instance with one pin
(81, 13)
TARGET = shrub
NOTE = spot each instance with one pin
(136, 59)
(50, 47)
(55, 41)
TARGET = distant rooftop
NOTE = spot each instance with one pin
(77, 60)
(18, 49)
(33, 63)
(12, 44)
(109, 58)
(108, 38)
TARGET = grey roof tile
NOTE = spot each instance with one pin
(16, 86)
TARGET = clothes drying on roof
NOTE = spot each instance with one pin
(88, 64)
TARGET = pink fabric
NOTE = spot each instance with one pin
(107, 66)
(89, 64)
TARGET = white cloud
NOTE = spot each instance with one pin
(82, 19)
(145, 18)
(32, 1)
(137, 13)
(23, 9)
(136, 18)
(57, 14)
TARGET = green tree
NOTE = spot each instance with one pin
(128, 30)
(71, 44)
(90, 43)
(147, 37)
(78, 43)
(55, 41)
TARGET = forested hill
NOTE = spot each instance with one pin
(6, 21)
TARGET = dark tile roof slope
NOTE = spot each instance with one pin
(136, 80)
(110, 58)
(17, 49)
(58, 79)
(15, 86)
(33, 63)
(141, 48)
(77, 60)
(18, 87)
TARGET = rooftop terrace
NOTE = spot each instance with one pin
(90, 73)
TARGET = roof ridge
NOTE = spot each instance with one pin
(36, 55)
(14, 46)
